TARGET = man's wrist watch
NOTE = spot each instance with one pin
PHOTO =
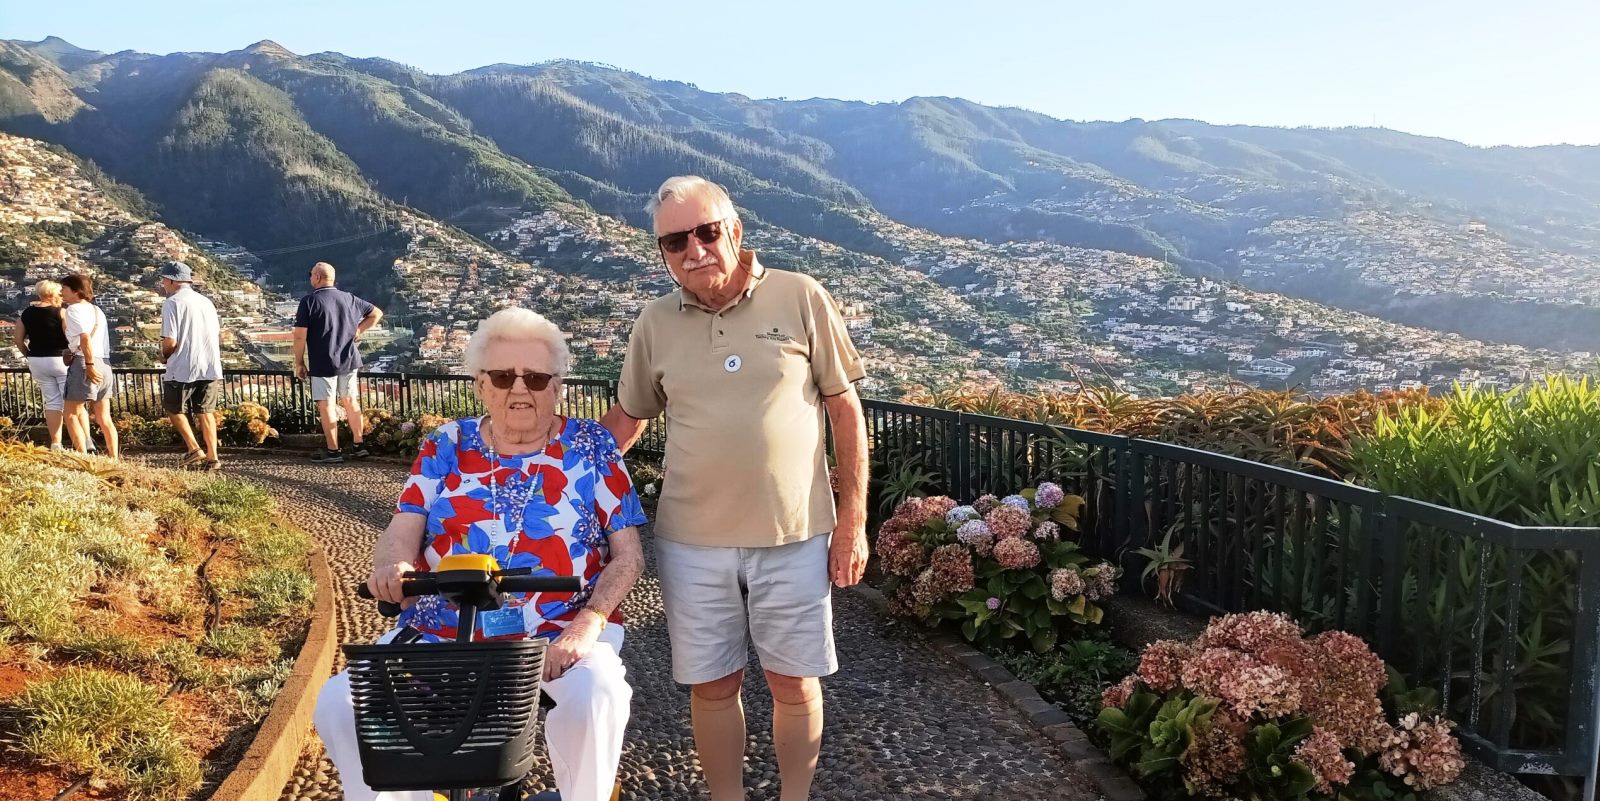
(596, 613)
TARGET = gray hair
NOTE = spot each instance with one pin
(47, 289)
(516, 324)
(680, 187)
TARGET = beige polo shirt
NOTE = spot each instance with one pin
(742, 389)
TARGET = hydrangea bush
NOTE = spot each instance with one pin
(1000, 568)
(389, 433)
(1253, 709)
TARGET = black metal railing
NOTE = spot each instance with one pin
(1499, 618)
(288, 399)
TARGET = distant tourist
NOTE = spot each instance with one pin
(90, 382)
(529, 487)
(748, 363)
(191, 345)
(326, 327)
(41, 335)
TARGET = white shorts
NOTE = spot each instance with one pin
(333, 386)
(50, 373)
(718, 600)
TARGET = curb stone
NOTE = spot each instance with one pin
(271, 759)
(1111, 780)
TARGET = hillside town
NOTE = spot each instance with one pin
(944, 311)
(1416, 255)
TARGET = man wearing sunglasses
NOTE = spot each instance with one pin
(748, 364)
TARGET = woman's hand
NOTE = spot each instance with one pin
(385, 582)
(574, 644)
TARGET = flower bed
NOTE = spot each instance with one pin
(999, 569)
(1253, 709)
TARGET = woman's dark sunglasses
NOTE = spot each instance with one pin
(505, 379)
(678, 242)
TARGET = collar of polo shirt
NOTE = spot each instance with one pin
(758, 273)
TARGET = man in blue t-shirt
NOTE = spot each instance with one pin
(325, 330)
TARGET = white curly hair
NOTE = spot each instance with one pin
(679, 187)
(516, 324)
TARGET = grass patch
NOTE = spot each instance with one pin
(232, 502)
(236, 641)
(274, 545)
(276, 592)
(100, 571)
(182, 663)
(254, 688)
(111, 650)
(112, 726)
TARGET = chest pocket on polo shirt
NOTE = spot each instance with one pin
(777, 355)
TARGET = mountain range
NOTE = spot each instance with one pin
(299, 158)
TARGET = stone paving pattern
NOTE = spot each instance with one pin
(904, 721)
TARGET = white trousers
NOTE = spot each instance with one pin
(583, 732)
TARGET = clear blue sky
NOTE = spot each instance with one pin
(1480, 71)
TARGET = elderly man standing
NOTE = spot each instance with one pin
(745, 361)
(326, 327)
(191, 345)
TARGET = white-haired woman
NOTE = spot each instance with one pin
(41, 334)
(533, 489)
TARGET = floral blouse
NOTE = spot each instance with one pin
(572, 496)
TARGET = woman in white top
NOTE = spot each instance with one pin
(89, 378)
(41, 335)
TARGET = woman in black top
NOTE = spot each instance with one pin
(41, 335)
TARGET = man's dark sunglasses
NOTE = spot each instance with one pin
(678, 241)
(506, 379)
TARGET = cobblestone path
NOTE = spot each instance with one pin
(903, 721)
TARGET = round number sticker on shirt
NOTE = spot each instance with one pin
(733, 363)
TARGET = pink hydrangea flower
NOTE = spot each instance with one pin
(1321, 753)
(1116, 696)
(1006, 522)
(1161, 664)
(1065, 583)
(1016, 553)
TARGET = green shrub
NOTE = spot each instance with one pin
(1074, 674)
(1526, 456)
(111, 726)
(248, 424)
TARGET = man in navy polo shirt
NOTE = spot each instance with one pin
(325, 330)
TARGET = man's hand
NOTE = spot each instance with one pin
(92, 372)
(572, 645)
(847, 554)
(385, 582)
(301, 371)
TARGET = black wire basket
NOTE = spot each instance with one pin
(445, 715)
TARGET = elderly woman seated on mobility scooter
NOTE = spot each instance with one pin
(538, 493)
